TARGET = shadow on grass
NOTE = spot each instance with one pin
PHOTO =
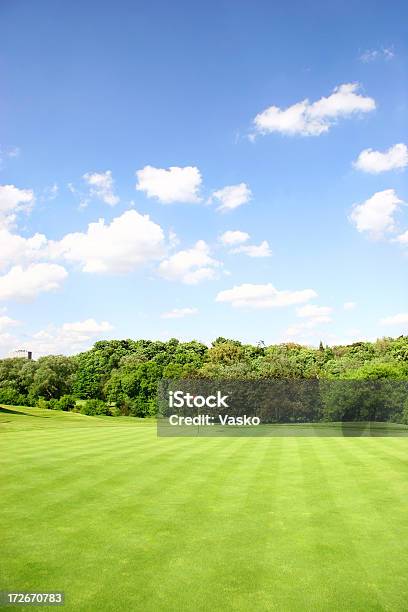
(4, 410)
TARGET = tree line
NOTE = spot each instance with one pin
(120, 377)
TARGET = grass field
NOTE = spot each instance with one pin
(119, 519)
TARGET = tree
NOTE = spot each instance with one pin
(53, 376)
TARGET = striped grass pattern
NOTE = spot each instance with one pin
(122, 520)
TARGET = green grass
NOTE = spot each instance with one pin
(122, 520)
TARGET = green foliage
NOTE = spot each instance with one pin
(17, 374)
(49, 404)
(225, 352)
(123, 375)
(96, 365)
(53, 377)
(93, 407)
(53, 404)
(42, 403)
(379, 371)
(66, 403)
(404, 416)
(10, 396)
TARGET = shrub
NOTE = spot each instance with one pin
(93, 407)
(53, 404)
(404, 418)
(114, 410)
(66, 403)
(42, 403)
(11, 397)
(141, 407)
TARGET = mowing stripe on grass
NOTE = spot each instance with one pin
(120, 519)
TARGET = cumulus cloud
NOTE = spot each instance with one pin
(376, 215)
(177, 313)
(232, 196)
(250, 295)
(101, 186)
(253, 250)
(128, 242)
(174, 184)
(27, 283)
(374, 162)
(349, 305)
(12, 201)
(312, 119)
(125, 244)
(232, 237)
(88, 326)
(398, 319)
(190, 266)
(68, 338)
(17, 249)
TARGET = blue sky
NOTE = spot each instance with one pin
(284, 122)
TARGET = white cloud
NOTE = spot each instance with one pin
(12, 151)
(169, 185)
(102, 186)
(190, 266)
(311, 310)
(173, 239)
(82, 197)
(50, 193)
(376, 215)
(12, 201)
(232, 237)
(394, 158)
(26, 283)
(253, 250)
(7, 153)
(398, 319)
(88, 326)
(6, 322)
(250, 295)
(8, 342)
(370, 55)
(68, 338)
(178, 313)
(300, 328)
(128, 242)
(315, 315)
(232, 196)
(402, 238)
(312, 119)
(17, 249)
(349, 305)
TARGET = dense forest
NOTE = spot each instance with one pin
(118, 377)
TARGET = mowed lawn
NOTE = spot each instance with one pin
(119, 519)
